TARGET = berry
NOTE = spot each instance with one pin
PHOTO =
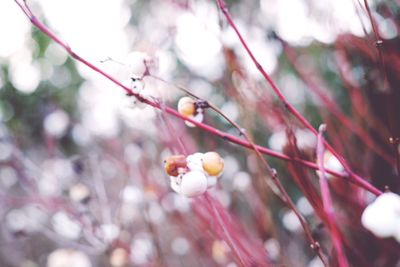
(193, 183)
(195, 162)
(213, 164)
(174, 165)
(187, 106)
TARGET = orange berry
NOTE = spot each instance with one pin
(186, 106)
(213, 164)
(174, 163)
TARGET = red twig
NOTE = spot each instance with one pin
(327, 201)
(333, 107)
(282, 98)
(386, 87)
(225, 231)
(231, 138)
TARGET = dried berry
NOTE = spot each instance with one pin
(174, 165)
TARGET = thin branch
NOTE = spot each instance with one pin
(327, 201)
(282, 98)
(333, 107)
(231, 138)
(225, 231)
(284, 196)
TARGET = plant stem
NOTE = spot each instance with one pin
(282, 98)
(231, 138)
(327, 201)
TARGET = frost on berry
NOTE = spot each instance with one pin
(382, 217)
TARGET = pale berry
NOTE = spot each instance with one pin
(119, 257)
(198, 118)
(176, 183)
(79, 193)
(193, 183)
(187, 106)
(195, 162)
(213, 164)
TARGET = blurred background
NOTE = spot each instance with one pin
(81, 165)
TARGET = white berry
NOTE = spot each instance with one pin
(193, 183)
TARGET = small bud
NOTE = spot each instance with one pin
(174, 165)
(193, 183)
(213, 164)
(187, 106)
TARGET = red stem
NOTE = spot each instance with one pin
(334, 108)
(327, 201)
(286, 104)
(231, 138)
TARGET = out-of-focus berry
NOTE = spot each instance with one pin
(68, 258)
(79, 193)
(119, 257)
(382, 217)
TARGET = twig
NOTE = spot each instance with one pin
(228, 237)
(327, 201)
(333, 107)
(386, 87)
(282, 98)
(355, 178)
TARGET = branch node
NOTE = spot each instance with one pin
(274, 172)
(322, 128)
(315, 245)
(202, 104)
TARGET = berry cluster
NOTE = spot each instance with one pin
(193, 175)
